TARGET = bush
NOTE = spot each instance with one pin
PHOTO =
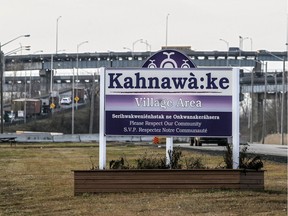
(158, 162)
(119, 164)
(250, 162)
(228, 157)
(194, 163)
(146, 162)
(246, 161)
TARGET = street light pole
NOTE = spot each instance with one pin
(110, 58)
(148, 46)
(227, 43)
(2, 69)
(73, 85)
(57, 21)
(14, 40)
(241, 39)
(51, 75)
(73, 109)
(264, 106)
(21, 48)
(140, 40)
(77, 67)
(126, 48)
(92, 101)
(251, 43)
(2, 63)
(252, 107)
(282, 104)
(166, 41)
(129, 50)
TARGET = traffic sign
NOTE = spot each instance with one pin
(76, 98)
(52, 105)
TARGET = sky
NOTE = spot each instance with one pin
(110, 25)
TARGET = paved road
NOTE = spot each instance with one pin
(277, 153)
(263, 149)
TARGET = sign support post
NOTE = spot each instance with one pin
(187, 64)
(102, 137)
(169, 149)
(235, 117)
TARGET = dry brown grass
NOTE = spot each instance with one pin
(38, 181)
(276, 139)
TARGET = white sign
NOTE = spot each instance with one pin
(20, 113)
(169, 102)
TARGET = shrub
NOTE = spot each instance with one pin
(119, 164)
(194, 163)
(246, 161)
(250, 162)
(228, 157)
(93, 166)
(158, 162)
(145, 162)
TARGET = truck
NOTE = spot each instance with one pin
(33, 107)
(198, 141)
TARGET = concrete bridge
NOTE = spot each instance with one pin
(43, 64)
(233, 58)
(259, 85)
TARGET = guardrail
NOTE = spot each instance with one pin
(37, 137)
(50, 137)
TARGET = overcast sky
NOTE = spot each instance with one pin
(114, 24)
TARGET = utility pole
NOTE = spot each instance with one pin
(1, 87)
(264, 107)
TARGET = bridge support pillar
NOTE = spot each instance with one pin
(255, 108)
(45, 78)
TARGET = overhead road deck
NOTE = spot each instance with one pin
(134, 59)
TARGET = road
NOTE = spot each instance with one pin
(263, 149)
(277, 153)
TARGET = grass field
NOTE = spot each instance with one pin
(37, 179)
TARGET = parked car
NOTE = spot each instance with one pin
(66, 101)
